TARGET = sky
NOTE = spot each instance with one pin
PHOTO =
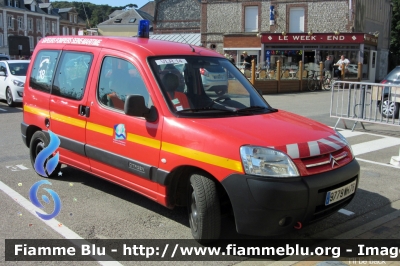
(139, 3)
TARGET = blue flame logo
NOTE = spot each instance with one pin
(33, 197)
(52, 162)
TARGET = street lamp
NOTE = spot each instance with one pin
(23, 24)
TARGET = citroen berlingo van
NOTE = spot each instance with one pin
(135, 111)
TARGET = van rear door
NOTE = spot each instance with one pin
(68, 106)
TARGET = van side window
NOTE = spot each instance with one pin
(119, 78)
(71, 75)
(43, 70)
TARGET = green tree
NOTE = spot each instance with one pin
(395, 34)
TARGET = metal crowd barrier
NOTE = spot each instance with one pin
(365, 102)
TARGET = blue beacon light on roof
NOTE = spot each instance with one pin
(144, 28)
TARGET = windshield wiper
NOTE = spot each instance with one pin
(224, 109)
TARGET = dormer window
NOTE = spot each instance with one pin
(132, 20)
(33, 5)
(118, 20)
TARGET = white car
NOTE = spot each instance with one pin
(352, 68)
(12, 80)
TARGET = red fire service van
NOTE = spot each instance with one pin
(135, 112)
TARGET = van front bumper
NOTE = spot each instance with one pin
(272, 206)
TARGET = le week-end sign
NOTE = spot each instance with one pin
(349, 38)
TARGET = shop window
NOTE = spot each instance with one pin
(296, 20)
(251, 19)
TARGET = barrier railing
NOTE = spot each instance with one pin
(366, 102)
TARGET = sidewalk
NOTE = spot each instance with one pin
(386, 227)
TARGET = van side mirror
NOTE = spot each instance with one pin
(3, 74)
(135, 106)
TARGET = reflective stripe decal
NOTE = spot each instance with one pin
(100, 129)
(330, 143)
(203, 157)
(36, 111)
(314, 148)
(153, 143)
(68, 120)
(149, 142)
(293, 150)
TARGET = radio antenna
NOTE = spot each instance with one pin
(87, 19)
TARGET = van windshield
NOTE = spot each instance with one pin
(201, 86)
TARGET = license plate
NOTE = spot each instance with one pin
(218, 76)
(340, 193)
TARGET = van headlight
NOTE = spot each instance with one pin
(342, 138)
(267, 162)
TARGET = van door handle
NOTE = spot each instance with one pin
(84, 110)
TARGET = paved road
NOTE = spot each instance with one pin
(95, 209)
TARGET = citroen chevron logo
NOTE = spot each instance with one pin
(332, 160)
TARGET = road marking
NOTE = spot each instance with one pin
(346, 212)
(383, 164)
(53, 223)
(3, 110)
(348, 133)
(374, 145)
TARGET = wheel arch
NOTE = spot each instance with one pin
(177, 185)
(29, 133)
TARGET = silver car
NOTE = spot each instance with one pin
(215, 79)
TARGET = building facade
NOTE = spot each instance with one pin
(177, 16)
(34, 19)
(25, 18)
(255, 27)
(70, 22)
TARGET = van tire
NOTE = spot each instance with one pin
(204, 209)
(38, 142)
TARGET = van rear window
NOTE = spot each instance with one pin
(43, 70)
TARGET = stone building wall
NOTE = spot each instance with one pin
(177, 16)
(328, 16)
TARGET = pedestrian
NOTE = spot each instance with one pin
(340, 63)
(246, 61)
(232, 59)
(328, 66)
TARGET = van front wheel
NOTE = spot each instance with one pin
(204, 209)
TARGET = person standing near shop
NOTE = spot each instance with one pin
(246, 61)
(340, 63)
(328, 67)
